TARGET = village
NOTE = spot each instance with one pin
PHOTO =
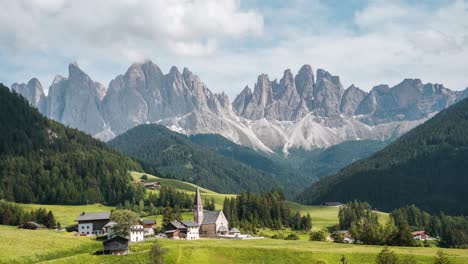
(205, 224)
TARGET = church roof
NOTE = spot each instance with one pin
(210, 217)
(198, 200)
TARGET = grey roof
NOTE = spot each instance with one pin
(178, 225)
(148, 222)
(234, 230)
(198, 199)
(210, 217)
(93, 216)
(223, 229)
(189, 224)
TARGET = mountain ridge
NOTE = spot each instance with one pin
(306, 110)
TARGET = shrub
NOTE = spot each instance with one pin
(441, 258)
(292, 236)
(318, 236)
(277, 236)
(386, 256)
(156, 254)
(144, 177)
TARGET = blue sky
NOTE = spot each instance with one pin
(228, 43)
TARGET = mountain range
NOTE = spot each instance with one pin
(427, 167)
(307, 110)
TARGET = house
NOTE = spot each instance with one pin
(31, 225)
(116, 245)
(332, 204)
(421, 235)
(234, 231)
(92, 223)
(149, 226)
(343, 235)
(212, 223)
(175, 230)
(152, 185)
(182, 230)
(192, 230)
(137, 233)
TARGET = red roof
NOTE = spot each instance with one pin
(418, 233)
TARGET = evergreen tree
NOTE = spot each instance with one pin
(386, 256)
(441, 258)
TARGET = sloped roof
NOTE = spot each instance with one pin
(177, 225)
(210, 217)
(190, 224)
(93, 216)
(223, 229)
(234, 230)
(110, 224)
(118, 238)
(148, 222)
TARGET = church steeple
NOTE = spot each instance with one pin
(198, 208)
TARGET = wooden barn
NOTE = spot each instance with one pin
(116, 245)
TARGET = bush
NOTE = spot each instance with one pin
(156, 254)
(277, 236)
(292, 236)
(386, 256)
(72, 228)
(318, 236)
(441, 258)
(144, 177)
(321, 262)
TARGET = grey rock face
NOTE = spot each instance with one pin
(75, 101)
(301, 111)
(409, 100)
(33, 92)
(327, 94)
(351, 100)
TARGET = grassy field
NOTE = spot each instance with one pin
(30, 246)
(263, 251)
(184, 187)
(66, 214)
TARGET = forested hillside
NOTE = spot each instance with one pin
(168, 154)
(42, 161)
(297, 169)
(427, 166)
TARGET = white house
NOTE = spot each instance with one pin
(192, 230)
(137, 233)
(92, 223)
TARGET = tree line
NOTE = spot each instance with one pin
(250, 211)
(14, 215)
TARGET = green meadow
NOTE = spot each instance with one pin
(65, 248)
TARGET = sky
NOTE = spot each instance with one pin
(228, 43)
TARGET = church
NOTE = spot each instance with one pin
(212, 223)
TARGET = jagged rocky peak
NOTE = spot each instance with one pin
(327, 94)
(32, 91)
(241, 101)
(305, 82)
(351, 100)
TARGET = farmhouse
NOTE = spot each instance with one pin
(149, 226)
(116, 245)
(92, 223)
(182, 230)
(421, 235)
(212, 223)
(152, 185)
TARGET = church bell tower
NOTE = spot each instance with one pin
(198, 208)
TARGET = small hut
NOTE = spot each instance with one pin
(30, 225)
(117, 245)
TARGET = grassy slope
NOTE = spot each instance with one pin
(264, 251)
(28, 246)
(66, 214)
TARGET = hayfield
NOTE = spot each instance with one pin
(264, 251)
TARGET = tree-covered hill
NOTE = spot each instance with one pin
(42, 161)
(172, 155)
(427, 167)
(300, 167)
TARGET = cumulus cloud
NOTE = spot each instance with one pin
(228, 42)
(107, 25)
